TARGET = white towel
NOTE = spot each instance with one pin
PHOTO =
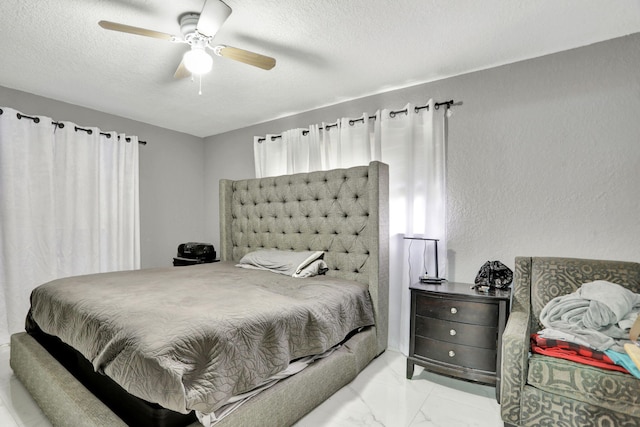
(592, 314)
(609, 303)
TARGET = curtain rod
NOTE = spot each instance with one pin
(77, 128)
(392, 114)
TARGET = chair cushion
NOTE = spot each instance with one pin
(609, 389)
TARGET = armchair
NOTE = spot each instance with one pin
(540, 390)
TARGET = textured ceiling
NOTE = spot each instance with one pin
(327, 51)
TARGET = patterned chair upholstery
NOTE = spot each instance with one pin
(540, 390)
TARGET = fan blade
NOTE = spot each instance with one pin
(213, 15)
(114, 26)
(182, 72)
(241, 55)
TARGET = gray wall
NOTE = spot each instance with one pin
(543, 156)
(171, 174)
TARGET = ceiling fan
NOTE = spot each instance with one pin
(198, 30)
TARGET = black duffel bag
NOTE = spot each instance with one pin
(191, 253)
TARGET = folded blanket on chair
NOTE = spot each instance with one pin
(575, 352)
(609, 303)
(625, 361)
(593, 313)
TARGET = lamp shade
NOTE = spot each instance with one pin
(197, 61)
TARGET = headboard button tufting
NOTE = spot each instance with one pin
(316, 211)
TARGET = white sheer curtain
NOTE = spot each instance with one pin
(414, 146)
(345, 143)
(413, 143)
(68, 205)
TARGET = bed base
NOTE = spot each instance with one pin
(66, 402)
(133, 410)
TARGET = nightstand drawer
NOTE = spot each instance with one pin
(457, 310)
(456, 354)
(457, 333)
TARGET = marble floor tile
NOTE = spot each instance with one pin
(379, 396)
(6, 419)
(382, 396)
(442, 412)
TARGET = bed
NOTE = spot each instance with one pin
(343, 213)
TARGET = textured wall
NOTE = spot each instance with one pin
(543, 156)
(171, 174)
(543, 159)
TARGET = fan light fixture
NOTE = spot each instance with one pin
(198, 30)
(197, 61)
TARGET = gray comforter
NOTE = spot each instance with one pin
(189, 338)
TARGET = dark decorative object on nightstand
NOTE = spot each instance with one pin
(457, 331)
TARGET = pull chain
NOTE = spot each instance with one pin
(200, 88)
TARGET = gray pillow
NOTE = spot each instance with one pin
(290, 263)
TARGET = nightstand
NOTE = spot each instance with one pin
(457, 331)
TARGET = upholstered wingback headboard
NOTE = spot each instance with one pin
(343, 212)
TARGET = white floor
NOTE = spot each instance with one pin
(379, 396)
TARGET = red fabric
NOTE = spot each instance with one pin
(574, 352)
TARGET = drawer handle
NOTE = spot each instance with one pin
(452, 353)
(454, 310)
(452, 332)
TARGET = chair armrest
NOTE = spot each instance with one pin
(515, 365)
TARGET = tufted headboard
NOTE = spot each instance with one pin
(343, 212)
